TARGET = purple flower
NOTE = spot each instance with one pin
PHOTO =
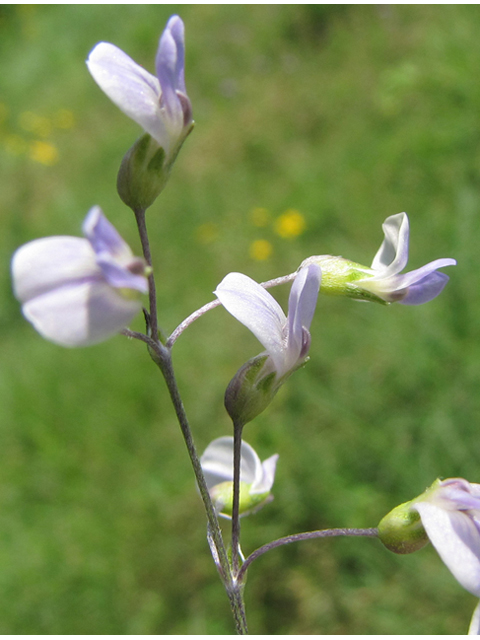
(256, 477)
(159, 104)
(286, 340)
(386, 282)
(79, 291)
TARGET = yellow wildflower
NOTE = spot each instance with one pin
(290, 224)
(261, 250)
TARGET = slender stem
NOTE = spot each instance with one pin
(237, 455)
(297, 537)
(215, 531)
(232, 586)
(215, 303)
(152, 292)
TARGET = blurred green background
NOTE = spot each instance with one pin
(313, 124)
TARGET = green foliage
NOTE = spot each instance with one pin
(344, 114)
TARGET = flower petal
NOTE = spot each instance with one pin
(170, 64)
(265, 482)
(103, 236)
(80, 313)
(217, 462)
(135, 91)
(113, 255)
(457, 541)
(301, 307)
(392, 256)
(254, 307)
(474, 629)
(48, 263)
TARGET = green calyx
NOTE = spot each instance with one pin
(401, 530)
(340, 277)
(222, 496)
(142, 174)
(249, 392)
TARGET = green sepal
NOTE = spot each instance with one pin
(142, 174)
(249, 392)
(222, 496)
(339, 277)
(401, 530)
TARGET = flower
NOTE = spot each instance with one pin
(449, 513)
(382, 282)
(256, 477)
(159, 104)
(79, 291)
(286, 340)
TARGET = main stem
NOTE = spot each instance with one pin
(152, 291)
(163, 358)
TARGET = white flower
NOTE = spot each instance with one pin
(383, 282)
(414, 287)
(287, 340)
(79, 291)
(159, 104)
(256, 477)
(450, 514)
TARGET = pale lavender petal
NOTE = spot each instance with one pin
(457, 541)
(301, 307)
(254, 307)
(46, 264)
(406, 280)
(392, 256)
(457, 493)
(426, 289)
(80, 314)
(177, 29)
(103, 236)
(474, 629)
(135, 91)
(170, 62)
(121, 277)
(264, 483)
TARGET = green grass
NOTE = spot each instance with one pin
(346, 113)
